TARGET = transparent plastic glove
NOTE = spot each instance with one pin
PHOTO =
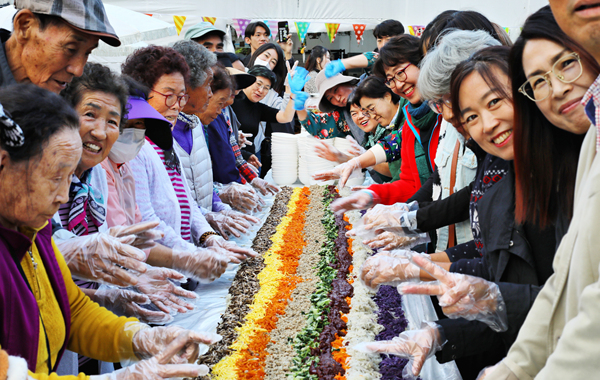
(235, 253)
(243, 139)
(264, 187)
(486, 371)
(462, 296)
(355, 148)
(390, 218)
(243, 221)
(240, 197)
(414, 345)
(388, 270)
(101, 258)
(204, 265)
(225, 225)
(334, 68)
(358, 201)
(330, 153)
(127, 303)
(150, 341)
(143, 233)
(351, 169)
(163, 293)
(158, 367)
(387, 240)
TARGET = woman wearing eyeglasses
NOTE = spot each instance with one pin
(162, 192)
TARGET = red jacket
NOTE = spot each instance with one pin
(409, 182)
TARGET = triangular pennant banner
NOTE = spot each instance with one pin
(272, 24)
(302, 29)
(240, 24)
(210, 19)
(148, 14)
(416, 30)
(507, 30)
(179, 21)
(359, 29)
(332, 30)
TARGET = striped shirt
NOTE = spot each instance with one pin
(178, 186)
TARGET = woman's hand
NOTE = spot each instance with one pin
(204, 264)
(103, 258)
(149, 342)
(127, 303)
(330, 153)
(388, 270)
(163, 293)
(235, 253)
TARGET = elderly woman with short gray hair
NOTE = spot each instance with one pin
(190, 142)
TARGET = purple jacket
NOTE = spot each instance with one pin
(19, 314)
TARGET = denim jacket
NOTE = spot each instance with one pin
(465, 173)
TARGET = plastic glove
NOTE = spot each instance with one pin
(240, 197)
(235, 253)
(462, 296)
(243, 139)
(297, 79)
(264, 187)
(140, 235)
(486, 371)
(204, 265)
(358, 201)
(300, 99)
(149, 342)
(163, 293)
(355, 148)
(388, 241)
(127, 303)
(99, 257)
(394, 217)
(224, 224)
(336, 173)
(158, 367)
(334, 68)
(351, 169)
(243, 221)
(389, 270)
(330, 153)
(415, 345)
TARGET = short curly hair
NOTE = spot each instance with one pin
(198, 58)
(97, 77)
(148, 64)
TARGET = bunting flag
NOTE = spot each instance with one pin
(332, 30)
(359, 29)
(240, 24)
(148, 14)
(416, 30)
(179, 21)
(210, 19)
(272, 24)
(302, 29)
(507, 30)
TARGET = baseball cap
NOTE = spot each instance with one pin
(158, 129)
(242, 79)
(201, 29)
(89, 16)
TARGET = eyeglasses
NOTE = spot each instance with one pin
(171, 99)
(436, 105)
(261, 86)
(370, 112)
(567, 69)
(400, 76)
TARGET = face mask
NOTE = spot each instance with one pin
(260, 62)
(127, 145)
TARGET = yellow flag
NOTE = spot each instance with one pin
(179, 21)
(210, 19)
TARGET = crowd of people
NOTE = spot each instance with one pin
(121, 191)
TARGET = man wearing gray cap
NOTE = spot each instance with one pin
(51, 41)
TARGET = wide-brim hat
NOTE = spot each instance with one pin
(158, 129)
(242, 79)
(323, 84)
(88, 17)
(201, 29)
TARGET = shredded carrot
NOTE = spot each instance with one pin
(252, 361)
